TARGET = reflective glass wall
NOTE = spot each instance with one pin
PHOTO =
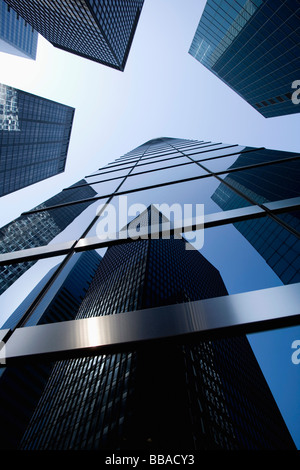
(234, 230)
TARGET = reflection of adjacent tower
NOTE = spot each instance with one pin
(279, 248)
(162, 395)
(34, 138)
(21, 386)
(32, 230)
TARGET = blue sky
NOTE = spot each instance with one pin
(162, 92)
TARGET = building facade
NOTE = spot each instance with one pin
(162, 397)
(192, 392)
(253, 47)
(16, 36)
(21, 387)
(34, 138)
(38, 229)
(93, 29)
(278, 247)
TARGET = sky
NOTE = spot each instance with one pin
(163, 91)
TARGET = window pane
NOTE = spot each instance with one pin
(268, 183)
(163, 176)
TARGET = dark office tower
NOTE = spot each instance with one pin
(262, 184)
(164, 395)
(34, 138)
(21, 387)
(16, 36)
(170, 377)
(254, 47)
(39, 228)
(98, 30)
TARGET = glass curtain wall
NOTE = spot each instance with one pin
(244, 203)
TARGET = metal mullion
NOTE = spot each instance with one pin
(150, 157)
(30, 310)
(210, 220)
(210, 144)
(230, 170)
(118, 164)
(211, 150)
(109, 171)
(247, 198)
(235, 314)
(121, 193)
(167, 183)
(227, 155)
(96, 182)
(252, 201)
(203, 145)
(254, 165)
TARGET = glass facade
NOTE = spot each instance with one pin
(16, 36)
(21, 387)
(38, 229)
(34, 138)
(192, 393)
(101, 31)
(253, 46)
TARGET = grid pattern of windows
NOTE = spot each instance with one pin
(34, 138)
(98, 30)
(116, 400)
(25, 384)
(254, 47)
(28, 231)
(16, 36)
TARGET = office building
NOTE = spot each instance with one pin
(34, 138)
(21, 387)
(17, 37)
(162, 397)
(277, 246)
(38, 229)
(101, 31)
(120, 395)
(254, 47)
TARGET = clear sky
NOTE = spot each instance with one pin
(163, 91)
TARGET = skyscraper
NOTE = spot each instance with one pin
(278, 247)
(101, 31)
(34, 138)
(21, 387)
(16, 36)
(161, 396)
(38, 229)
(254, 47)
(120, 395)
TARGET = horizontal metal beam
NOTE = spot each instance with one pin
(220, 316)
(210, 220)
(33, 254)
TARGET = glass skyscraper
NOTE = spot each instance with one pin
(278, 247)
(155, 397)
(21, 387)
(254, 47)
(34, 138)
(129, 372)
(38, 229)
(16, 36)
(101, 31)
